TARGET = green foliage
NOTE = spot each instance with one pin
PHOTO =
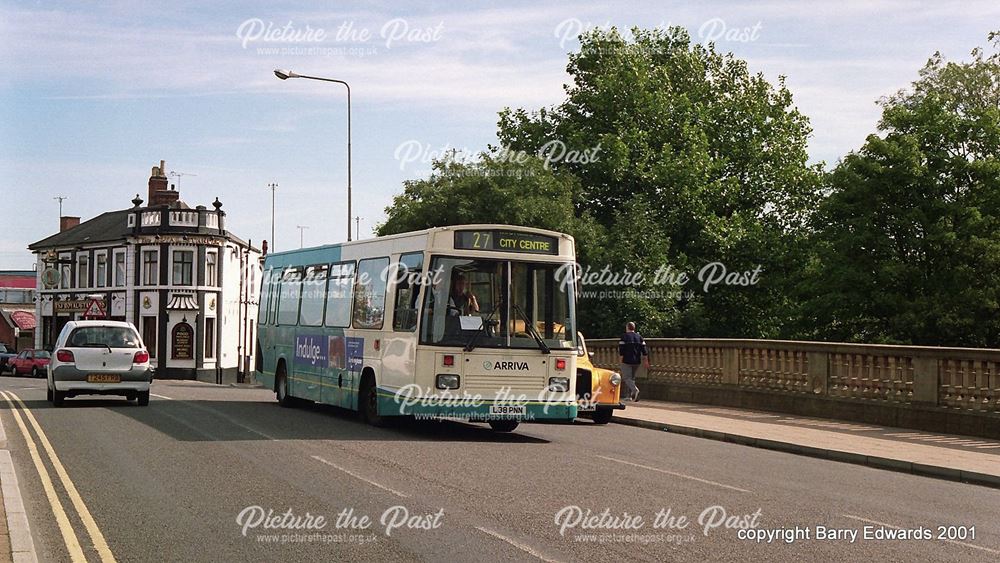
(491, 190)
(700, 161)
(908, 243)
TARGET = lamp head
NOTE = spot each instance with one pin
(284, 74)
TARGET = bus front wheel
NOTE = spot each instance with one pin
(503, 425)
(602, 416)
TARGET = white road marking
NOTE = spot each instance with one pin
(65, 529)
(525, 548)
(956, 542)
(161, 396)
(100, 544)
(356, 476)
(691, 477)
(22, 545)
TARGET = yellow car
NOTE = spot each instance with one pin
(598, 390)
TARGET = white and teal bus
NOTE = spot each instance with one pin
(472, 322)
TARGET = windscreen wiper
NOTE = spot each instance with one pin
(532, 330)
(471, 344)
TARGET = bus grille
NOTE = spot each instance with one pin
(492, 383)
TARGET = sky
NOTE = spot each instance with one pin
(94, 94)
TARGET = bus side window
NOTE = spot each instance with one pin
(264, 305)
(313, 296)
(288, 299)
(407, 278)
(339, 295)
(369, 293)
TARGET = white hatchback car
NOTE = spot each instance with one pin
(99, 358)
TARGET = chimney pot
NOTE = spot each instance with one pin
(159, 192)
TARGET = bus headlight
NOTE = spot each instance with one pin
(615, 379)
(559, 384)
(447, 381)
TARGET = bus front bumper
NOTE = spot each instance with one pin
(475, 410)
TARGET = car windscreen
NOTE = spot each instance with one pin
(103, 337)
(42, 355)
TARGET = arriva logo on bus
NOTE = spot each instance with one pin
(507, 366)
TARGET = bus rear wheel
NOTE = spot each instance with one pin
(281, 389)
(503, 425)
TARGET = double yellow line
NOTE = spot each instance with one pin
(68, 534)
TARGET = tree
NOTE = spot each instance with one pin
(908, 242)
(494, 189)
(698, 161)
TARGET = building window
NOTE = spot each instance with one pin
(101, 270)
(65, 271)
(209, 338)
(212, 268)
(150, 267)
(119, 268)
(83, 271)
(183, 265)
(149, 335)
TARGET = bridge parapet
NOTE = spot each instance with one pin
(900, 385)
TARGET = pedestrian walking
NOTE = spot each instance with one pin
(633, 352)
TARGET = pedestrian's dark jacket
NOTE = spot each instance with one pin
(632, 348)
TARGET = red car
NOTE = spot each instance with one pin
(34, 362)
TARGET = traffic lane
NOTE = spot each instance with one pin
(357, 448)
(184, 424)
(797, 490)
(49, 545)
(157, 498)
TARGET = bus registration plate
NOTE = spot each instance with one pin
(508, 410)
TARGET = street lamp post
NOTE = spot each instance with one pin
(285, 75)
(273, 187)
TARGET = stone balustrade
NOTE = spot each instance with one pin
(961, 379)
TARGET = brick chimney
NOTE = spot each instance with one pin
(159, 191)
(66, 223)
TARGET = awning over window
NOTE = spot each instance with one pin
(182, 302)
(22, 319)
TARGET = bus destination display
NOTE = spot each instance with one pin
(506, 241)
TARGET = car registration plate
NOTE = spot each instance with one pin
(508, 410)
(103, 378)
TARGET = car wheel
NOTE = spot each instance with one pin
(602, 416)
(34, 373)
(284, 399)
(58, 397)
(368, 403)
(503, 425)
(143, 397)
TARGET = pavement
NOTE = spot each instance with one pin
(947, 456)
(213, 473)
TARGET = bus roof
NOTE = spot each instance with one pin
(340, 245)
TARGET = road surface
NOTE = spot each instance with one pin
(195, 475)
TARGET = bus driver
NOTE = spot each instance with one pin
(461, 301)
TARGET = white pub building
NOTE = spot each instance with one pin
(188, 285)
